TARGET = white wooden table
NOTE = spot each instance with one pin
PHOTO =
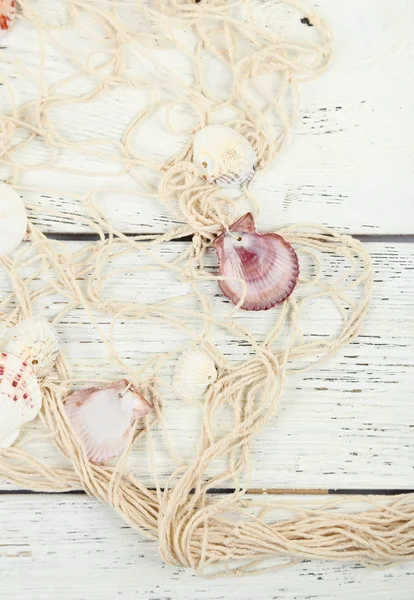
(348, 425)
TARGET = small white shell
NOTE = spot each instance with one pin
(13, 219)
(224, 156)
(193, 373)
(20, 397)
(103, 418)
(35, 341)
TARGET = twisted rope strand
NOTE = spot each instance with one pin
(124, 45)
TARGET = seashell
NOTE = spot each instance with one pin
(7, 13)
(35, 341)
(224, 156)
(103, 418)
(20, 397)
(193, 373)
(13, 219)
(266, 262)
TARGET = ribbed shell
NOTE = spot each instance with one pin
(7, 14)
(194, 372)
(20, 397)
(13, 219)
(35, 341)
(103, 418)
(224, 156)
(266, 263)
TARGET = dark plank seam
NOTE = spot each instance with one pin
(91, 237)
(310, 492)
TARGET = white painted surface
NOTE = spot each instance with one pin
(350, 163)
(350, 424)
(73, 548)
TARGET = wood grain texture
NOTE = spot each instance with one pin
(348, 423)
(75, 548)
(350, 163)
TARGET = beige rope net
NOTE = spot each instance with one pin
(128, 45)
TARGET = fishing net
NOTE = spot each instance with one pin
(100, 103)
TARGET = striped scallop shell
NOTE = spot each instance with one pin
(7, 13)
(20, 397)
(35, 341)
(261, 269)
(224, 156)
(194, 372)
(103, 418)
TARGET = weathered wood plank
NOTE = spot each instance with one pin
(346, 424)
(349, 165)
(78, 549)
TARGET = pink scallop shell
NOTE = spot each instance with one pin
(266, 262)
(7, 13)
(103, 418)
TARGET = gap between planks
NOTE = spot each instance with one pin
(251, 491)
(91, 237)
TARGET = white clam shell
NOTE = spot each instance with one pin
(194, 372)
(13, 219)
(35, 341)
(103, 418)
(224, 156)
(20, 397)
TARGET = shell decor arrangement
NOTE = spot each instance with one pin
(7, 14)
(20, 397)
(262, 268)
(194, 372)
(224, 156)
(234, 75)
(35, 341)
(13, 219)
(103, 418)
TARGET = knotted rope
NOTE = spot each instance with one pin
(126, 47)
